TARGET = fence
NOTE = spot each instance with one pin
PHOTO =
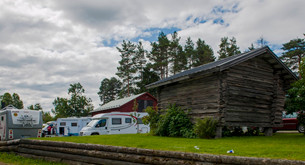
(77, 153)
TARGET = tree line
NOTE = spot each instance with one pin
(139, 67)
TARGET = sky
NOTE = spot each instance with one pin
(47, 45)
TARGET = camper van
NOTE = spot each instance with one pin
(115, 123)
(71, 126)
(19, 123)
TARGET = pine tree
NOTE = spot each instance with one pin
(203, 53)
(178, 60)
(294, 52)
(189, 53)
(127, 69)
(159, 55)
(228, 48)
(109, 90)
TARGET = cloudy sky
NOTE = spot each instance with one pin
(45, 45)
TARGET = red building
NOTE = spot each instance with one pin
(126, 104)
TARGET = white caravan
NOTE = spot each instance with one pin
(116, 123)
(19, 123)
(71, 126)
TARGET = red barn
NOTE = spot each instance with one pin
(126, 104)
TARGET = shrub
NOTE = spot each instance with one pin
(206, 128)
(174, 122)
(152, 119)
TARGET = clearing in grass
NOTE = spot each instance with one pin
(278, 146)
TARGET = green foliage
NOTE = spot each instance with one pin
(78, 105)
(109, 90)
(174, 122)
(294, 52)
(205, 128)
(127, 67)
(203, 53)
(228, 48)
(46, 116)
(295, 99)
(152, 119)
(14, 100)
(159, 55)
(148, 76)
(35, 107)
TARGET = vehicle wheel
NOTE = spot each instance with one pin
(94, 134)
(301, 128)
(274, 131)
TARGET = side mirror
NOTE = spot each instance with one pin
(105, 127)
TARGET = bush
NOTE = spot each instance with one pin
(172, 122)
(152, 119)
(206, 128)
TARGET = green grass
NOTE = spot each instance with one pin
(19, 160)
(279, 146)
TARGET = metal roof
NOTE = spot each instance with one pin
(116, 103)
(221, 65)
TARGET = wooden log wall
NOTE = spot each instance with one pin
(254, 95)
(80, 154)
(201, 95)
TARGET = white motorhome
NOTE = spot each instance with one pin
(71, 126)
(116, 123)
(19, 123)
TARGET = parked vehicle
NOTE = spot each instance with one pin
(45, 128)
(71, 126)
(19, 123)
(115, 123)
(290, 122)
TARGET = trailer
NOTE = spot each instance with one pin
(71, 126)
(116, 123)
(19, 123)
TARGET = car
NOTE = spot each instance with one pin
(290, 122)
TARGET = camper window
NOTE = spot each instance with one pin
(127, 120)
(74, 124)
(101, 123)
(62, 124)
(116, 121)
(2, 118)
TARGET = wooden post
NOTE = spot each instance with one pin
(218, 132)
(268, 131)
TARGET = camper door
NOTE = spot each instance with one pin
(2, 127)
(101, 125)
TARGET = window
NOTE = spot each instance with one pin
(2, 118)
(62, 123)
(127, 120)
(116, 121)
(101, 123)
(143, 104)
(74, 124)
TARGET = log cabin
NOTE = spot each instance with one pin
(244, 90)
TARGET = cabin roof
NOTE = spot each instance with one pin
(226, 63)
(117, 103)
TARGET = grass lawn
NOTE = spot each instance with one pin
(19, 160)
(283, 146)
